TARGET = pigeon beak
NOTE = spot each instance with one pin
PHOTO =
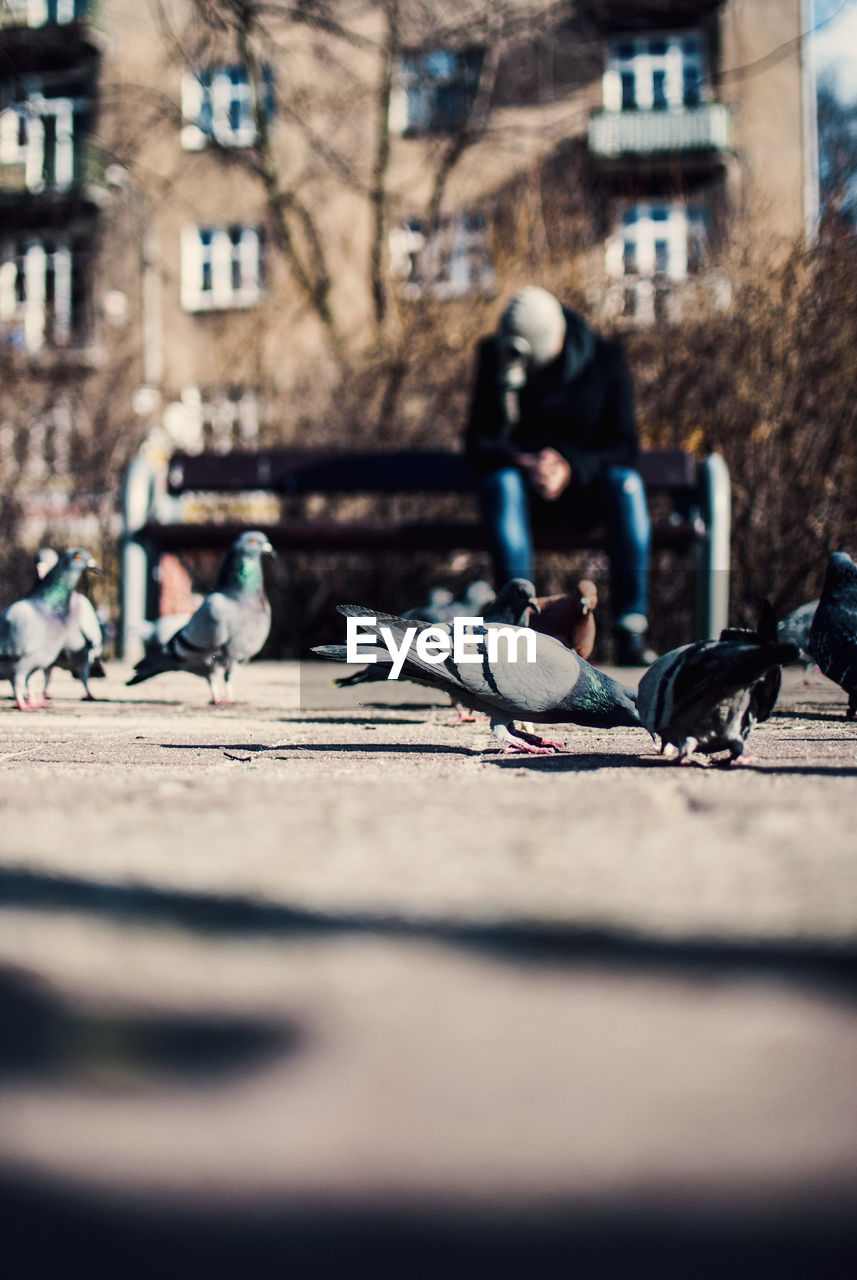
(534, 605)
(268, 550)
(92, 567)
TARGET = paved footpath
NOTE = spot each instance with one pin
(323, 984)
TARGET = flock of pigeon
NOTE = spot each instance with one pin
(698, 701)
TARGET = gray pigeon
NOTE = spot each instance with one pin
(558, 688)
(511, 605)
(833, 638)
(795, 629)
(436, 608)
(81, 654)
(33, 631)
(156, 632)
(442, 606)
(229, 627)
(706, 697)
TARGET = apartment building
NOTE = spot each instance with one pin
(245, 195)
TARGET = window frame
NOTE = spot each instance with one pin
(633, 67)
(222, 267)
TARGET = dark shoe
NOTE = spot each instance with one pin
(632, 649)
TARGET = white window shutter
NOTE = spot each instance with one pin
(250, 264)
(192, 137)
(62, 295)
(191, 269)
(8, 280)
(221, 269)
(612, 89)
(35, 156)
(221, 97)
(34, 305)
(10, 152)
(64, 166)
(614, 256)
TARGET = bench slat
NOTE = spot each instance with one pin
(365, 536)
(411, 471)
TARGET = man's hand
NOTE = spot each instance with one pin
(548, 472)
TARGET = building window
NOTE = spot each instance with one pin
(449, 262)
(218, 420)
(230, 419)
(668, 240)
(222, 267)
(40, 136)
(434, 92)
(655, 247)
(41, 292)
(42, 13)
(217, 106)
(655, 73)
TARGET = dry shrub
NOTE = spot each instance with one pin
(770, 384)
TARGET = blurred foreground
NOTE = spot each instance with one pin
(343, 991)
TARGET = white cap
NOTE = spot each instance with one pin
(537, 317)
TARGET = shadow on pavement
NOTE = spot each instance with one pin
(514, 941)
(46, 1037)
(50, 1229)
(47, 1230)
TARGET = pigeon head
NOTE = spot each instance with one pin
(253, 543)
(517, 596)
(60, 581)
(841, 575)
(242, 568)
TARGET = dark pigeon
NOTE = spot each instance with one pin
(833, 637)
(558, 688)
(795, 629)
(229, 627)
(34, 630)
(706, 697)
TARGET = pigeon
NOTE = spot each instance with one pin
(229, 627)
(154, 633)
(81, 654)
(557, 688)
(569, 618)
(436, 608)
(707, 696)
(513, 604)
(833, 637)
(442, 606)
(795, 627)
(34, 630)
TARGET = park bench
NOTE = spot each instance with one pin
(697, 521)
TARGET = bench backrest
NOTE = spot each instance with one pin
(415, 471)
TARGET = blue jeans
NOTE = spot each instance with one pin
(617, 499)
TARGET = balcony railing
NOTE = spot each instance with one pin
(38, 14)
(87, 173)
(613, 134)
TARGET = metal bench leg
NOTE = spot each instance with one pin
(137, 503)
(713, 552)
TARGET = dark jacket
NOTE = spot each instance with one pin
(588, 418)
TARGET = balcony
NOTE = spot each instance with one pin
(37, 36)
(614, 135)
(49, 178)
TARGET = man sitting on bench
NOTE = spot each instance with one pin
(552, 432)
